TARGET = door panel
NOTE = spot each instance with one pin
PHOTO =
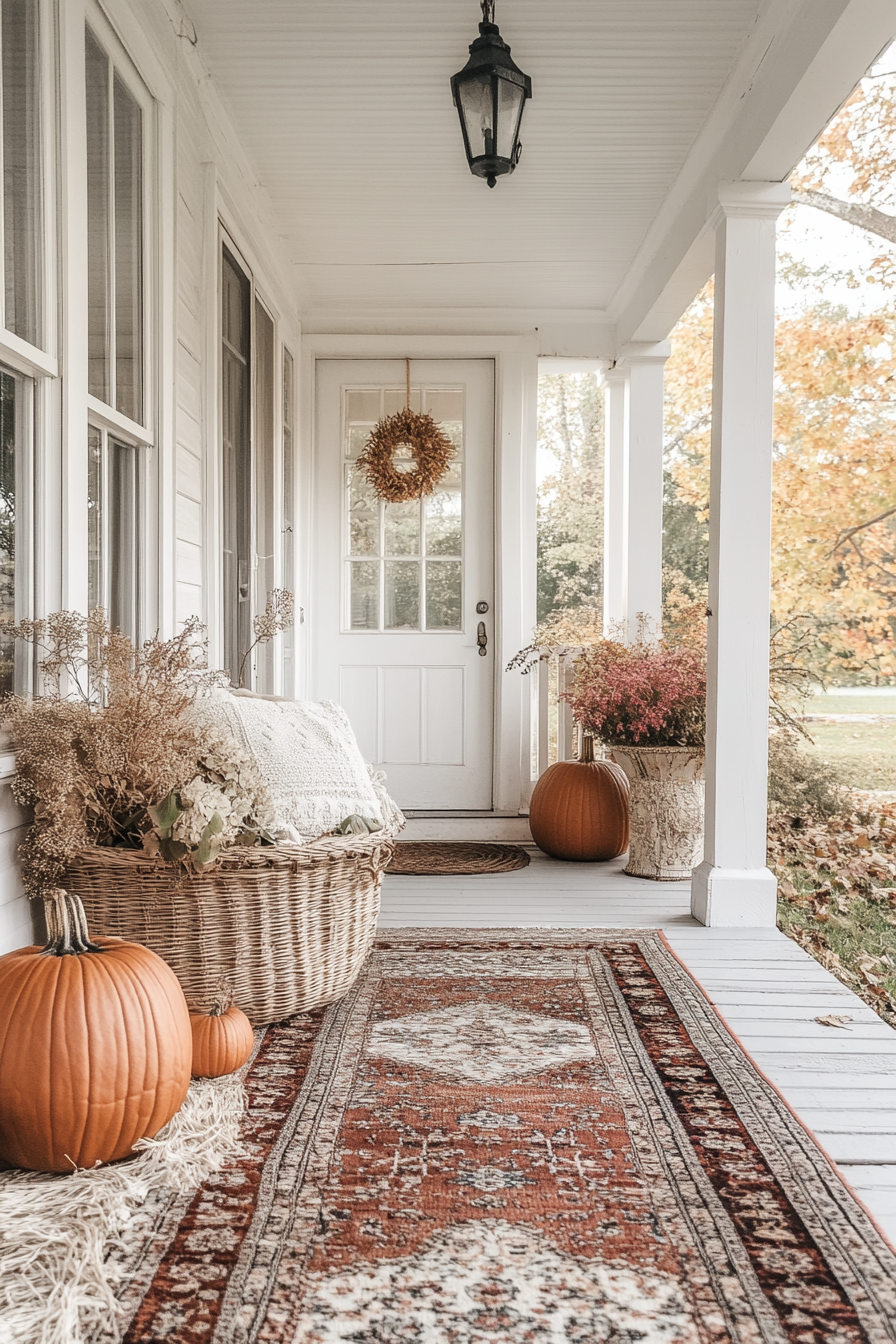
(396, 585)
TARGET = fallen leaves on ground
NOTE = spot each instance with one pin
(834, 1020)
(837, 896)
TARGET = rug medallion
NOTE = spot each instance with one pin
(507, 1138)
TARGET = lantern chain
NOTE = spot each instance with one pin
(488, 11)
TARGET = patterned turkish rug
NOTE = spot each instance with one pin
(511, 1138)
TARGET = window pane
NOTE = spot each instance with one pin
(289, 477)
(96, 596)
(444, 404)
(124, 541)
(362, 406)
(443, 595)
(357, 438)
(443, 522)
(8, 437)
(403, 528)
(364, 515)
(510, 108)
(128, 123)
(98, 380)
(402, 595)
(365, 595)
(236, 463)
(21, 167)
(396, 398)
(289, 544)
(265, 545)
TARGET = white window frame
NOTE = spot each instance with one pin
(40, 361)
(26, 394)
(119, 32)
(124, 67)
(140, 621)
(259, 292)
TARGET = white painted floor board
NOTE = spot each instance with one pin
(546, 894)
(842, 1084)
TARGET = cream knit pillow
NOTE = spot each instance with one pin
(307, 754)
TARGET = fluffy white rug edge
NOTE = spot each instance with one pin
(56, 1231)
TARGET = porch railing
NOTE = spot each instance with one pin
(554, 735)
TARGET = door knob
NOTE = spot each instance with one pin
(482, 639)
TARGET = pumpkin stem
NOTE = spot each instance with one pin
(66, 925)
(587, 753)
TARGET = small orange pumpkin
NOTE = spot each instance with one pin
(222, 1041)
(579, 809)
(95, 1046)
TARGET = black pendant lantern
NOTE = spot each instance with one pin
(489, 94)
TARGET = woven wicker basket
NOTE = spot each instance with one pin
(282, 928)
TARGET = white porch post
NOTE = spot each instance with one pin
(733, 886)
(643, 363)
(615, 491)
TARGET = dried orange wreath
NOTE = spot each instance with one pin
(430, 447)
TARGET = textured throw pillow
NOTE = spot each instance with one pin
(307, 754)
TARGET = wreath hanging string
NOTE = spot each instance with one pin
(430, 447)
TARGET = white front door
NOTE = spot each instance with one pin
(404, 593)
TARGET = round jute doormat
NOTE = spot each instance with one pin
(428, 858)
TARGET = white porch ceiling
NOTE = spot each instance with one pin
(640, 109)
(344, 109)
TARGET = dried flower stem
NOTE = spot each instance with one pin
(277, 615)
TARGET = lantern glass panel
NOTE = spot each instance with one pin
(478, 109)
(510, 109)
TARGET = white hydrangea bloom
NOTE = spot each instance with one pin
(228, 784)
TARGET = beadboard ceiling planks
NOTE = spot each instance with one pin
(344, 109)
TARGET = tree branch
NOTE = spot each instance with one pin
(860, 527)
(865, 217)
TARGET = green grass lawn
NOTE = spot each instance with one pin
(851, 704)
(863, 754)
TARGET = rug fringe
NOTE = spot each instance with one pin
(56, 1232)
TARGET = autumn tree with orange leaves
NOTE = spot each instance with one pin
(834, 482)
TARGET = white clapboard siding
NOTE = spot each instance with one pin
(841, 1083)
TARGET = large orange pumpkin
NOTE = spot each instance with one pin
(222, 1041)
(95, 1046)
(579, 809)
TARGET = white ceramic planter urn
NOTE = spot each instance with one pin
(666, 810)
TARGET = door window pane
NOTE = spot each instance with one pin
(443, 595)
(115, 242)
(365, 594)
(402, 595)
(443, 522)
(402, 528)
(21, 167)
(363, 515)
(400, 535)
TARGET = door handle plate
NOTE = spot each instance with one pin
(482, 640)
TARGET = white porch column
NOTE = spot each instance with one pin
(733, 886)
(615, 493)
(643, 362)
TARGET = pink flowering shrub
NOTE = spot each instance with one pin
(646, 694)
